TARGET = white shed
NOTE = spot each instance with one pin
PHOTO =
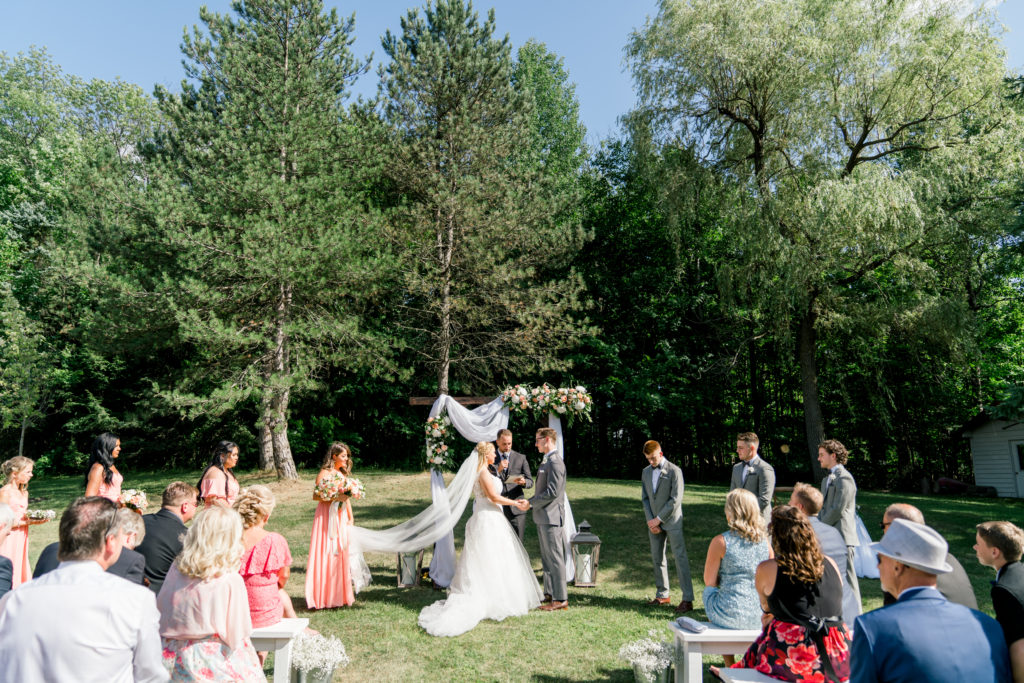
(997, 451)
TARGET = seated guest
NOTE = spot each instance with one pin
(165, 530)
(954, 585)
(808, 500)
(923, 636)
(1000, 545)
(801, 591)
(130, 565)
(730, 598)
(78, 622)
(266, 563)
(6, 566)
(204, 612)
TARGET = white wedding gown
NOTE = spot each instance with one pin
(493, 577)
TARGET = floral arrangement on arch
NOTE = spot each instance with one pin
(568, 402)
(440, 442)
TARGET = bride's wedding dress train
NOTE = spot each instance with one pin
(493, 577)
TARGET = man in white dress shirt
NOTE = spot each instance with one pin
(79, 623)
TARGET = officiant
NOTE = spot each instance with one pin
(514, 472)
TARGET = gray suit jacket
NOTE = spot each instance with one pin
(840, 506)
(667, 502)
(760, 482)
(548, 501)
(833, 545)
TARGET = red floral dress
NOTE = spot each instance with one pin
(791, 652)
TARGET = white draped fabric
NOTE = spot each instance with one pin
(435, 524)
(428, 526)
(480, 424)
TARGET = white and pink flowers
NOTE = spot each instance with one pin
(134, 499)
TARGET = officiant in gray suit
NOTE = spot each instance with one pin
(661, 493)
(514, 472)
(753, 474)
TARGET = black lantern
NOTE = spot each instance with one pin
(410, 566)
(586, 547)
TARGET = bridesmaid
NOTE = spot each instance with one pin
(218, 485)
(101, 475)
(328, 574)
(17, 473)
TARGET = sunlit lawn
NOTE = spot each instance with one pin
(380, 631)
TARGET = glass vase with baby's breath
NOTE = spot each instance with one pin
(651, 658)
(315, 657)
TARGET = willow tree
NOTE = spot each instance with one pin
(487, 287)
(813, 107)
(258, 198)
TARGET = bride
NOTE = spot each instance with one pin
(493, 578)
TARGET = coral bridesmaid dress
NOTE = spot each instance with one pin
(328, 575)
(15, 547)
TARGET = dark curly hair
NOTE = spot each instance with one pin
(837, 449)
(103, 453)
(796, 547)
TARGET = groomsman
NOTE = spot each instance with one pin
(839, 508)
(548, 505)
(753, 474)
(661, 492)
(1000, 546)
(514, 472)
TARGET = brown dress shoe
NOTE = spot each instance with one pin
(684, 606)
(547, 598)
(555, 605)
(660, 601)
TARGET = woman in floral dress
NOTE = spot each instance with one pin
(205, 625)
(803, 639)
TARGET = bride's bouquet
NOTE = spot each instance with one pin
(133, 499)
(337, 484)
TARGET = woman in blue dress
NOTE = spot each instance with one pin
(730, 598)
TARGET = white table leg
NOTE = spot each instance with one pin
(693, 663)
(283, 663)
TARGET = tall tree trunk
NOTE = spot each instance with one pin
(21, 439)
(266, 443)
(279, 396)
(446, 248)
(814, 424)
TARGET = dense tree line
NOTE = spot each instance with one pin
(810, 226)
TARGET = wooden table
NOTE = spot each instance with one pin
(278, 639)
(691, 648)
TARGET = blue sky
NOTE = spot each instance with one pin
(139, 40)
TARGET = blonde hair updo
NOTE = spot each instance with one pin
(482, 450)
(213, 545)
(254, 504)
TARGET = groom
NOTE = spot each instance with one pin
(548, 505)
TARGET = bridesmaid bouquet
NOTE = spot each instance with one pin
(133, 499)
(336, 484)
(40, 515)
(353, 488)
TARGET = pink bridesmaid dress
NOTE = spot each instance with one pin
(227, 489)
(112, 491)
(328, 576)
(260, 567)
(15, 547)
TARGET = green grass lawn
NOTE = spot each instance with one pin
(380, 631)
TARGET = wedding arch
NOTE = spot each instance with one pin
(435, 524)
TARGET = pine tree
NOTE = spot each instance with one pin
(487, 292)
(258, 199)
